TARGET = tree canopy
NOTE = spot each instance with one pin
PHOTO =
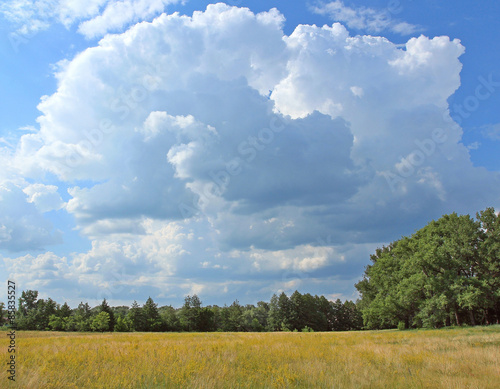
(445, 273)
(295, 313)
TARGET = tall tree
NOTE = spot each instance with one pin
(169, 318)
(104, 307)
(2, 313)
(205, 320)
(151, 316)
(261, 315)
(189, 314)
(274, 316)
(64, 310)
(121, 324)
(101, 322)
(298, 314)
(489, 279)
(26, 310)
(285, 312)
(234, 317)
(445, 273)
(82, 316)
(136, 317)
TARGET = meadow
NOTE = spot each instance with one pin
(445, 358)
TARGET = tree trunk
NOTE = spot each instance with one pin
(471, 316)
(457, 318)
(487, 316)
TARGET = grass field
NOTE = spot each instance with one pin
(446, 358)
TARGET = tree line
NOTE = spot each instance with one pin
(299, 312)
(447, 273)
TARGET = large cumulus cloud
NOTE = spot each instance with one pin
(255, 146)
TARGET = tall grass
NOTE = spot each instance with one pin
(447, 358)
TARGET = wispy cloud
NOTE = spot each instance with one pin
(95, 18)
(491, 131)
(365, 19)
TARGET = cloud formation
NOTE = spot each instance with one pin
(492, 131)
(367, 19)
(210, 153)
(22, 225)
(22, 205)
(95, 18)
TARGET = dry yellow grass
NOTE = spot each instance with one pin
(449, 358)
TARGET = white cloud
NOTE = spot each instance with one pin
(474, 146)
(119, 14)
(69, 11)
(365, 18)
(173, 131)
(404, 28)
(357, 91)
(304, 258)
(195, 129)
(95, 17)
(123, 268)
(491, 131)
(45, 197)
(22, 226)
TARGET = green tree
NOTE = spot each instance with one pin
(274, 316)
(446, 251)
(82, 317)
(299, 311)
(121, 324)
(189, 314)
(285, 312)
(26, 310)
(104, 307)
(489, 266)
(447, 272)
(233, 317)
(56, 323)
(169, 318)
(101, 322)
(136, 318)
(70, 323)
(2, 314)
(151, 316)
(64, 311)
(205, 322)
(353, 315)
(261, 313)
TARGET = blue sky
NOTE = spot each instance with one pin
(165, 148)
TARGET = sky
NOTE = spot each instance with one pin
(234, 150)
